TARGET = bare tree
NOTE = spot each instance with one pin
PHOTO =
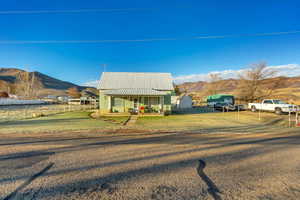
(251, 85)
(27, 84)
(177, 90)
(214, 84)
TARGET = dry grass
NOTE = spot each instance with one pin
(70, 121)
(231, 121)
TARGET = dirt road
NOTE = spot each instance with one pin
(150, 166)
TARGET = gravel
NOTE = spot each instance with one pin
(150, 166)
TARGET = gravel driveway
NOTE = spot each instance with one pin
(150, 166)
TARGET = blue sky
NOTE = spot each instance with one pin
(81, 63)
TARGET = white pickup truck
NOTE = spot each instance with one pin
(273, 105)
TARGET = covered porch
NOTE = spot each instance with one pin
(141, 104)
(134, 100)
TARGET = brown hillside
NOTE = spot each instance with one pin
(288, 90)
(49, 85)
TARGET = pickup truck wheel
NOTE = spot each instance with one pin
(278, 111)
(253, 109)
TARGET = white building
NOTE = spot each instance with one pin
(182, 102)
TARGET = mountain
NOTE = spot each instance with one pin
(47, 85)
(288, 89)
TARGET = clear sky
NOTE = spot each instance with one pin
(81, 62)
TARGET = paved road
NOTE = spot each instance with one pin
(151, 166)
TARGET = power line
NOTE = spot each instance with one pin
(142, 40)
(9, 12)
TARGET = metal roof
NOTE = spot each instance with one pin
(130, 80)
(135, 91)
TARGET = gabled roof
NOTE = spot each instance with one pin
(130, 80)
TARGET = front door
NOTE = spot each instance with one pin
(135, 104)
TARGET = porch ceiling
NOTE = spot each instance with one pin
(135, 91)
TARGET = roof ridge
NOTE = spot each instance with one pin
(142, 72)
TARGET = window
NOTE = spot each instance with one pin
(146, 101)
(268, 102)
(279, 102)
(117, 101)
(154, 100)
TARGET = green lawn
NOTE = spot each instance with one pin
(79, 120)
(211, 121)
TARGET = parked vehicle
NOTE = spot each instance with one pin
(220, 99)
(273, 105)
(223, 102)
(228, 107)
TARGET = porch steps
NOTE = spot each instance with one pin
(132, 120)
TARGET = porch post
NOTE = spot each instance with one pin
(162, 103)
(109, 103)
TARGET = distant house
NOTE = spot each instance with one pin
(142, 92)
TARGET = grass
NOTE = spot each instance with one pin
(204, 122)
(212, 121)
(70, 121)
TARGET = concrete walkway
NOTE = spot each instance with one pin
(132, 120)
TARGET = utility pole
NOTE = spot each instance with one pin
(104, 67)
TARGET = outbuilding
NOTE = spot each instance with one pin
(182, 101)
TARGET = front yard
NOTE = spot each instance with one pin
(70, 121)
(205, 122)
(231, 121)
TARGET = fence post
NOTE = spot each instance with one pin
(297, 121)
(25, 112)
(289, 118)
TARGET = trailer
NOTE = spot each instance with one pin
(223, 102)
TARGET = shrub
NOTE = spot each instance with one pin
(4, 95)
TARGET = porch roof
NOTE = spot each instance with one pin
(135, 91)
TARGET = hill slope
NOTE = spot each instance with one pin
(48, 85)
(289, 88)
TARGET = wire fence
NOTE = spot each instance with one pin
(12, 113)
(193, 110)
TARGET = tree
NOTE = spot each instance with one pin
(74, 92)
(177, 90)
(4, 86)
(27, 84)
(214, 84)
(251, 85)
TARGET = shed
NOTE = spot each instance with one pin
(182, 102)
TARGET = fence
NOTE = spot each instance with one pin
(194, 110)
(294, 119)
(7, 101)
(11, 113)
